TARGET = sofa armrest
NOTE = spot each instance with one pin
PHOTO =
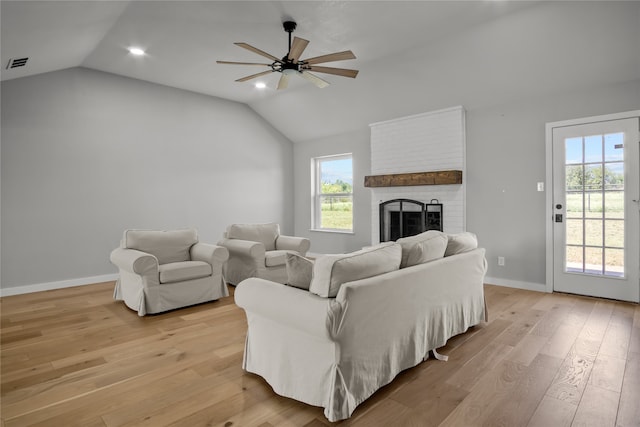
(299, 244)
(243, 248)
(286, 305)
(134, 261)
(212, 254)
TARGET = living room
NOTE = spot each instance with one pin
(96, 141)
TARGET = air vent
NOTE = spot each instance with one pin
(17, 62)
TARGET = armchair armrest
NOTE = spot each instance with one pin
(134, 261)
(212, 254)
(299, 244)
(287, 306)
(243, 248)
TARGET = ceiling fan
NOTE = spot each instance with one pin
(290, 64)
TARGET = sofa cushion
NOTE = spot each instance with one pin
(181, 271)
(422, 247)
(461, 242)
(263, 233)
(299, 271)
(425, 251)
(168, 246)
(276, 258)
(331, 271)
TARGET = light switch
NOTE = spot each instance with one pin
(541, 186)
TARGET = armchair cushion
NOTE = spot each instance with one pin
(263, 233)
(167, 246)
(185, 270)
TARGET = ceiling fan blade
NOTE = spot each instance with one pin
(284, 81)
(344, 72)
(242, 63)
(338, 56)
(297, 47)
(314, 79)
(258, 51)
(253, 76)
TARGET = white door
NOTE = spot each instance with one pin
(596, 213)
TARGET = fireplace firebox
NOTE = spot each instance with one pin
(406, 217)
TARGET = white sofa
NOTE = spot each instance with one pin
(259, 250)
(335, 351)
(163, 270)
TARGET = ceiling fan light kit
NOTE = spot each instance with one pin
(290, 64)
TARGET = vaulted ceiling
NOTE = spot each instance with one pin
(413, 56)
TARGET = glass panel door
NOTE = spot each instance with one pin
(596, 215)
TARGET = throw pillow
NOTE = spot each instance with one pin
(331, 271)
(418, 254)
(461, 242)
(427, 250)
(299, 271)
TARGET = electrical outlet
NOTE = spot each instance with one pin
(501, 261)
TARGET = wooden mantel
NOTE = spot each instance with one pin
(416, 178)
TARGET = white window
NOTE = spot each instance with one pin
(332, 193)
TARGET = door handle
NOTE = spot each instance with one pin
(558, 217)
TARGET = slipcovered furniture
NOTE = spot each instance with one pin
(259, 250)
(163, 270)
(363, 319)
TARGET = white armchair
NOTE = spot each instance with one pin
(259, 250)
(163, 270)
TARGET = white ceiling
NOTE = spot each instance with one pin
(413, 56)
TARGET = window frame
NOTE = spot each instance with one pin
(317, 196)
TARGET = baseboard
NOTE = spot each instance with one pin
(530, 286)
(39, 287)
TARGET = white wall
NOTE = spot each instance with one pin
(323, 242)
(424, 142)
(87, 154)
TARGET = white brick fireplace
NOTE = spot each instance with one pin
(433, 141)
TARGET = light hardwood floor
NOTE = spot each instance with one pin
(76, 357)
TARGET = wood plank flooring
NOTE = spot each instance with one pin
(75, 357)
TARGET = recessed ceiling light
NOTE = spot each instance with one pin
(136, 51)
(260, 85)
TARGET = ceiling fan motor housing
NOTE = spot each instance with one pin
(289, 26)
(287, 67)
